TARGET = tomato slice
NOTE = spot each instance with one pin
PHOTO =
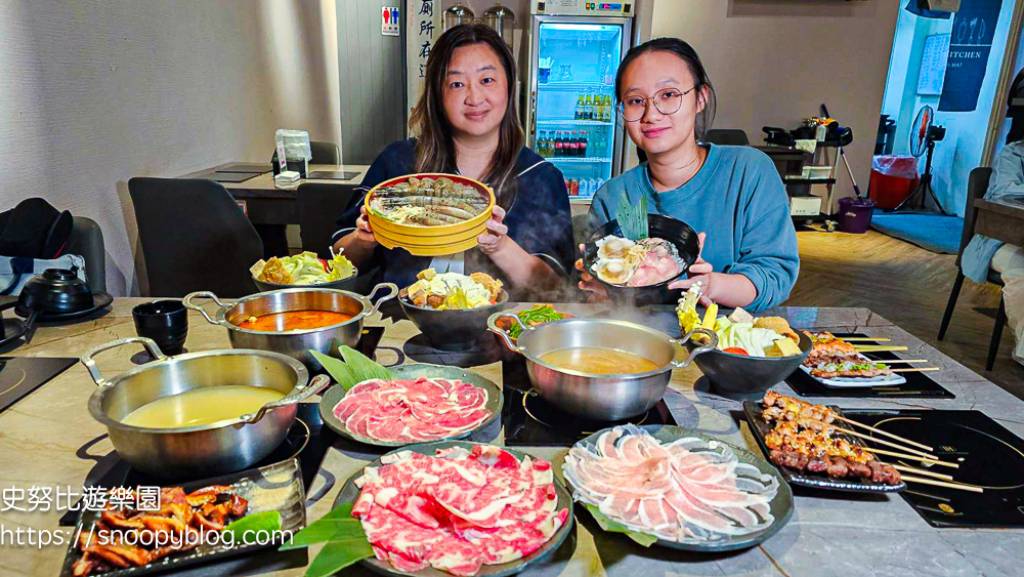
(736, 351)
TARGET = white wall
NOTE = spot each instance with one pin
(96, 92)
(773, 62)
(962, 148)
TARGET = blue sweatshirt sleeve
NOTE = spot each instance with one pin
(768, 252)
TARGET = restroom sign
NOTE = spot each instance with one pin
(389, 21)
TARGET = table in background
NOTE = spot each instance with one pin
(268, 204)
(830, 534)
(1000, 220)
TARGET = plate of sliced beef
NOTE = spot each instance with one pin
(421, 403)
(689, 490)
(458, 508)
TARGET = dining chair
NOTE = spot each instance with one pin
(977, 184)
(730, 136)
(194, 237)
(320, 205)
(86, 240)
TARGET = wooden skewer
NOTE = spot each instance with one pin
(866, 339)
(910, 457)
(883, 433)
(917, 370)
(946, 484)
(918, 452)
(917, 471)
(900, 361)
(879, 348)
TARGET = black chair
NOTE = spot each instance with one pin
(86, 240)
(194, 237)
(320, 205)
(324, 152)
(977, 184)
(730, 136)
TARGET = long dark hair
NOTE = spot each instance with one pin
(688, 55)
(435, 150)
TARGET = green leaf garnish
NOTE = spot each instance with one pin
(346, 542)
(355, 369)
(610, 525)
(263, 521)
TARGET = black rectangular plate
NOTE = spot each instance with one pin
(918, 385)
(260, 486)
(752, 410)
(19, 376)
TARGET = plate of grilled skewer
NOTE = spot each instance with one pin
(817, 446)
(838, 362)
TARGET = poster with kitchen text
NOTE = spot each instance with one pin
(970, 43)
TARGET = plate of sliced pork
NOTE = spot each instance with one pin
(680, 488)
(458, 508)
(421, 403)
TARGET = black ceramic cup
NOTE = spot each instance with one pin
(166, 322)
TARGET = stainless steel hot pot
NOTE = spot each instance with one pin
(599, 397)
(297, 343)
(206, 450)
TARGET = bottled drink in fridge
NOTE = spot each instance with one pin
(559, 147)
(584, 136)
(578, 113)
(588, 107)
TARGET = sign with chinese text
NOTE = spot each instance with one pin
(423, 26)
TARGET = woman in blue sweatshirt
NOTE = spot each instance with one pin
(732, 195)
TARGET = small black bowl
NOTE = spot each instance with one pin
(742, 377)
(165, 321)
(674, 231)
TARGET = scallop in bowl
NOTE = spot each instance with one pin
(639, 271)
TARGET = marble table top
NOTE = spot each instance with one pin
(828, 535)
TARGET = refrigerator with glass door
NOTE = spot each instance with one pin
(575, 49)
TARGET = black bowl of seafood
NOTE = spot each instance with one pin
(451, 309)
(639, 271)
(752, 353)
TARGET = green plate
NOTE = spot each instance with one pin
(335, 394)
(349, 493)
(781, 506)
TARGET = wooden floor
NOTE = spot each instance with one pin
(909, 286)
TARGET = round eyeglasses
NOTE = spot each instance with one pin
(666, 101)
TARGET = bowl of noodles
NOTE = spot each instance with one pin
(451, 309)
(304, 270)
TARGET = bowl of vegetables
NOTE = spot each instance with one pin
(753, 354)
(304, 270)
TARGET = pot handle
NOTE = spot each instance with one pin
(90, 364)
(711, 345)
(392, 289)
(187, 301)
(317, 385)
(492, 325)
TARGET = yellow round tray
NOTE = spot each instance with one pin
(427, 250)
(431, 236)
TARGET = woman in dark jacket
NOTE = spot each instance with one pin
(466, 123)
